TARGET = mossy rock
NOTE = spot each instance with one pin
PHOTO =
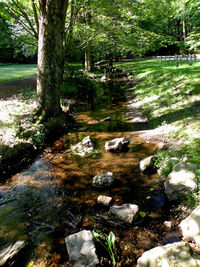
(12, 159)
(42, 134)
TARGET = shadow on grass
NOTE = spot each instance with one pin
(190, 112)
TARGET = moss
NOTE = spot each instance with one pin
(14, 158)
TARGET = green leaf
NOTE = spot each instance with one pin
(198, 171)
(142, 214)
(95, 234)
(111, 238)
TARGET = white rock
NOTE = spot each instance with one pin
(104, 200)
(125, 212)
(191, 226)
(168, 224)
(117, 145)
(147, 165)
(81, 249)
(177, 254)
(182, 179)
(84, 147)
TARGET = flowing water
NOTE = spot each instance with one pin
(54, 197)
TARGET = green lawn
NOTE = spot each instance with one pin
(10, 72)
(170, 96)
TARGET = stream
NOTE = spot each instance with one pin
(54, 197)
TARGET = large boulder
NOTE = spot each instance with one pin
(178, 254)
(103, 180)
(117, 145)
(181, 180)
(84, 147)
(147, 165)
(191, 226)
(125, 212)
(81, 249)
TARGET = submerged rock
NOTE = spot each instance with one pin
(11, 251)
(103, 180)
(156, 202)
(177, 254)
(84, 147)
(147, 165)
(81, 249)
(125, 212)
(117, 145)
(191, 226)
(181, 180)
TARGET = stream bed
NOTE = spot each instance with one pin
(54, 197)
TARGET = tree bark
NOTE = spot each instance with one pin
(50, 56)
(88, 47)
(184, 29)
(88, 57)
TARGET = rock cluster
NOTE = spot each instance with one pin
(181, 180)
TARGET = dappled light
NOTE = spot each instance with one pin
(99, 133)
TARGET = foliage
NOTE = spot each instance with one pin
(107, 241)
(121, 29)
(193, 40)
(6, 42)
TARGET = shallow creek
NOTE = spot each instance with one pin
(54, 197)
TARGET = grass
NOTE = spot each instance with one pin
(10, 72)
(170, 96)
(15, 112)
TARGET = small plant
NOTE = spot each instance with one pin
(191, 200)
(108, 242)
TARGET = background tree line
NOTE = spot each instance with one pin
(108, 28)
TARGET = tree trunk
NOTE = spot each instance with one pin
(184, 30)
(88, 57)
(50, 56)
(88, 48)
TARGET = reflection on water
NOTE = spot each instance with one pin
(54, 197)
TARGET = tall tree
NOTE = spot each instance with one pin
(50, 56)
